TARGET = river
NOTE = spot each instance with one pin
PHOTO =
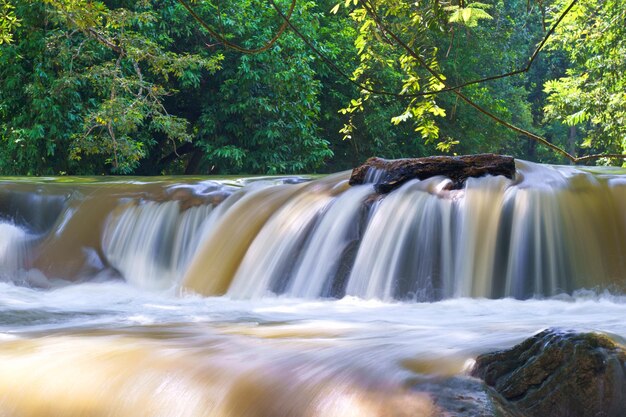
(196, 297)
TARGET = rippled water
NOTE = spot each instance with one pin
(110, 349)
(128, 335)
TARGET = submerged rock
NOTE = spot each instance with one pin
(388, 175)
(462, 396)
(559, 373)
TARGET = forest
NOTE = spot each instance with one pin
(152, 87)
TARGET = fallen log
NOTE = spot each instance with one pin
(388, 175)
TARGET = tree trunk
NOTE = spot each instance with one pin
(388, 175)
(571, 142)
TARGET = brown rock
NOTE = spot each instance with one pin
(559, 373)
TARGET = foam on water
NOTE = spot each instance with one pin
(124, 340)
(112, 349)
(460, 325)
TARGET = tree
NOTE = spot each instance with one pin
(591, 97)
(120, 86)
(381, 59)
(466, 52)
(83, 88)
(8, 21)
(409, 49)
(260, 113)
(402, 38)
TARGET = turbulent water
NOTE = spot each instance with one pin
(285, 297)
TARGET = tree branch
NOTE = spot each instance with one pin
(424, 93)
(532, 57)
(487, 113)
(234, 46)
(185, 148)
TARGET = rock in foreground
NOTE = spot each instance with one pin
(559, 374)
(394, 173)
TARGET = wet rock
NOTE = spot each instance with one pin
(388, 175)
(465, 397)
(559, 373)
(217, 197)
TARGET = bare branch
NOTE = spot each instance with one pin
(140, 75)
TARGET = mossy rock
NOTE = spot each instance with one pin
(559, 373)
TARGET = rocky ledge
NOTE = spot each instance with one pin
(394, 173)
(559, 373)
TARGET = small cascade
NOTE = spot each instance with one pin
(335, 239)
(374, 175)
(224, 246)
(404, 240)
(222, 253)
(13, 251)
(477, 217)
(267, 264)
(150, 243)
(35, 210)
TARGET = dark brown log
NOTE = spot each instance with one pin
(458, 168)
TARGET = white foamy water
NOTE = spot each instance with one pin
(115, 350)
(13, 250)
(161, 237)
(127, 334)
(455, 325)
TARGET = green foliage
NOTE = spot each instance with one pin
(93, 100)
(8, 22)
(383, 64)
(592, 94)
(121, 86)
(468, 54)
(469, 15)
(131, 81)
(262, 111)
(456, 41)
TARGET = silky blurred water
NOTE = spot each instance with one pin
(110, 349)
(370, 333)
(101, 312)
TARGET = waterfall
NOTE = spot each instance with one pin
(333, 239)
(318, 298)
(551, 230)
(402, 241)
(150, 243)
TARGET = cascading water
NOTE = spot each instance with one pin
(150, 243)
(495, 238)
(312, 292)
(13, 248)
